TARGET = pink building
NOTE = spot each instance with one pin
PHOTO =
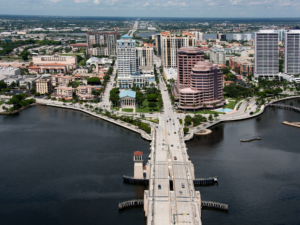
(61, 79)
(187, 57)
(85, 92)
(206, 87)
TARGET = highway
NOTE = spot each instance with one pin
(172, 195)
(134, 29)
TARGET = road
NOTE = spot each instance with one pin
(134, 29)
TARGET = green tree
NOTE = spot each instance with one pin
(186, 130)
(94, 81)
(152, 97)
(216, 115)
(140, 97)
(210, 118)
(152, 105)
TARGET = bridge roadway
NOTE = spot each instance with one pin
(167, 203)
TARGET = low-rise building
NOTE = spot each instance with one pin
(10, 71)
(63, 92)
(84, 92)
(242, 65)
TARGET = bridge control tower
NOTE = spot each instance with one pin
(138, 165)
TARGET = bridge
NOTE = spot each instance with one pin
(289, 107)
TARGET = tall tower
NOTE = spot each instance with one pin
(138, 165)
(266, 54)
(292, 52)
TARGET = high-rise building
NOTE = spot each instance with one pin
(198, 35)
(170, 43)
(158, 44)
(187, 57)
(247, 37)
(218, 55)
(206, 88)
(281, 34)
(266, 54)
(145, 56)
(292, 52)
(128, 64)
(104, 40)
(237, 37)
(222, 36)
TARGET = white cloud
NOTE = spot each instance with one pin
(146, 4)
(81, 1)
(96, 2)
(56, 0)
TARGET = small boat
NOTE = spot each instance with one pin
(254, 139)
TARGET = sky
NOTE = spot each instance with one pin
(153, 8)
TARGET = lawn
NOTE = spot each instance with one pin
(116, 108)
(145, 109)
(11, 59)
(71, 54)
(231, 105)
(127, 110)
(1, 102)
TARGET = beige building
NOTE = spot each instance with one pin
(43, 85)
(145, 55)
(170, 43)
(63, 93)
(55, 63)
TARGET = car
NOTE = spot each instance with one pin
(151, 113)
(171, 145)
(159, 186)
(173, 123)
(156, 126)
(174, 132)
(175, 158)
(182, 185)
(64, 104)
(178, 118)
(180, 192)
(163, 143)
(251, 113)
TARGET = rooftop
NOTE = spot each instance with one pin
(127, 93)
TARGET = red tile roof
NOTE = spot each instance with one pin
(138, 153)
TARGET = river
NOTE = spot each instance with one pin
(65, 167)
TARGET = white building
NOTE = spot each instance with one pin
(218, 55)
(247, 37)
(105, 62)
(128, 65)
(237, 37)
(281, 34)
(10, 71)
(292, 52)
(266, 54)
(198, 35)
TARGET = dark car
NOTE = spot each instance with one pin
(175, 158)
(159, 187)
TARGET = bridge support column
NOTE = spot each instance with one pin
(146, 200)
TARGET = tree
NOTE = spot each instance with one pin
(210, 118)
(186, 130)
(94, 81)
(194, 105)
(3, 85)
(152, 105)
(214, 105)
(204, 106)
(139, 97)
(216, 115)
(37, 94)
(152, 97)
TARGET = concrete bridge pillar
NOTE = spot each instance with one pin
(138, 165)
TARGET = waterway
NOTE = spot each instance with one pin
(65, 167)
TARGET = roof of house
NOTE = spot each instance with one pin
(79, 45)
(125, 36)
(138, 153)
(127, 93)
(53, 64)
(34, 67)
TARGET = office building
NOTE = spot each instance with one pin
(105, 41)
(144, 55)
(158, 44)
(198, 35)
(218, 55)
(222, 36)
(43, 85)
(187, 57)
(247, 37)
(237, 37)
(128, 65)
(281, 34)
(266, 54)
(292, 52)
(206, 88)
(170, 43)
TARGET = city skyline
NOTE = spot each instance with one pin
(154, 8)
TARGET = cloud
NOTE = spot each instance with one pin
(146, 4)
(96, 2)
(56, 0)
(81, 1)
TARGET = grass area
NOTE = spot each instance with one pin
(127, 110)
(10, 59)
(1, 102)
(256, 111)
(180, 121)
(246, 107)
(116, 108)
(231, 104)
(145, 109)
(239, 106)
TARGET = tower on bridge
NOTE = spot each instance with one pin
(138, 165)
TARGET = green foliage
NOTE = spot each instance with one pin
(114, 96)
(197, 119)
(3, 85)
(188, 120)
(210, 118)
(140, 97)
(233, 90)
(127, 110)
(186, 130)
(94, 81)
(19, 101)
(152, 105)
(152, 97)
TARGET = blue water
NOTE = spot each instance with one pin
(224, 110)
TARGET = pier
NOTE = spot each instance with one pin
(214, 205)
(288, 107)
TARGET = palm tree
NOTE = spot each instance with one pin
(223, 107)
(194, 105)
(204, 106)
(120, 84)
(126, 84)
(216, 115)
(215, 105)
